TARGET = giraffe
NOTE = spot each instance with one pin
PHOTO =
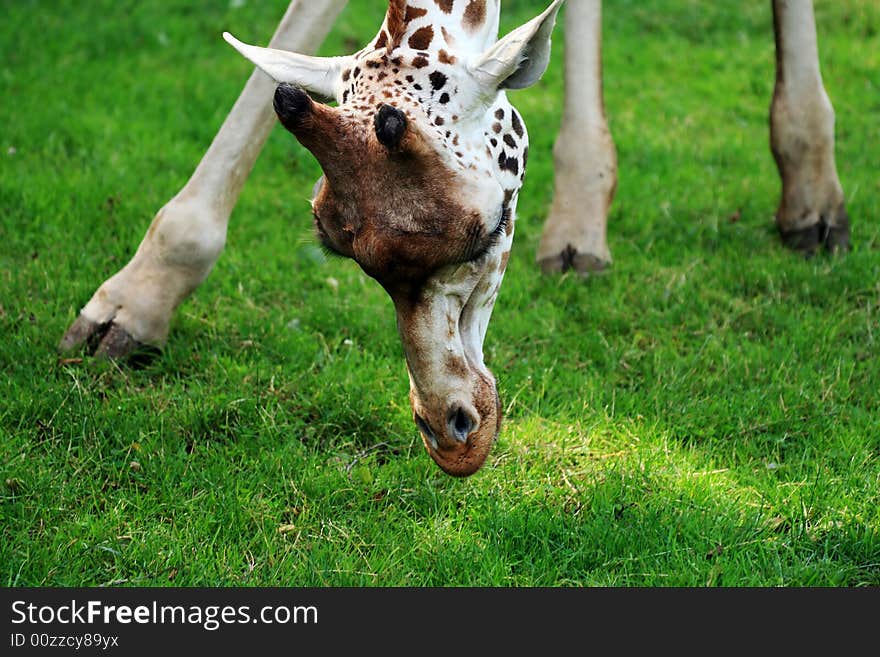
(423, 158)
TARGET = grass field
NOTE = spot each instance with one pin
(706, 413)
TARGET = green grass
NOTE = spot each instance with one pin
(707, 413)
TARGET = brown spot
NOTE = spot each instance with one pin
(445, 5)
(419, 62)
(504, 257)
(446, 58)
(508, 163)
(496, 128)
(517, 124)
(456, 366)
(438, 80)
(447, 36)
(509, 140)
(474, 15)
(421, 39)
(413, 13)
(499, 114)
(382, 41)
(346, 74)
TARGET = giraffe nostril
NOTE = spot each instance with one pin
(460, 424)
(426, 431)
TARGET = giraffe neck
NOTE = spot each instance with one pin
(466, 26)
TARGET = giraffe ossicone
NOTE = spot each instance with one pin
(423, 157)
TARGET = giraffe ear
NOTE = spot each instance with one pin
(519, 59)
(319, 75)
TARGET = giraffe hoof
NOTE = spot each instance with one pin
(108, 340)
(803, 240)
(832, 233)
(584, 264)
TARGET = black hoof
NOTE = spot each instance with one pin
(107, 340)
(79, 333)
(832, 233)
(570, 259)
(802, 240)
(836, 237)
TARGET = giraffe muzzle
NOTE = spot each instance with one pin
(460, 439)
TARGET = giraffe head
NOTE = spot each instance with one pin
(423, 158)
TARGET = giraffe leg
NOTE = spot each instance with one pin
(812, 212)
(131, 311)
(574, 234)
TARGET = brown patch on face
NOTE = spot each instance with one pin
(456, 366)
(445, 58)
(413, 13)
(474, 15)
(420, 62)
(445, 5)
(421, 39)
(395, 211)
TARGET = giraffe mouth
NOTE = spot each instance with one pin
(459, 462)
(461, 444)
